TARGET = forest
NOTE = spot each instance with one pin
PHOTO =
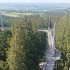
(23, 47)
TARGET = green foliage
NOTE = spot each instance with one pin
(27, 45)
(7, 21)
(4, 43)
(3, 65)
(63, 38)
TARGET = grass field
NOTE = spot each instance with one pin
(15, 14)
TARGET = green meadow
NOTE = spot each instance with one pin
(16, 14)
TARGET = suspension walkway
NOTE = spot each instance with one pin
(52, 54)
(50, 59)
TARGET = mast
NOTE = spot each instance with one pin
(50, 23)
(53, 37)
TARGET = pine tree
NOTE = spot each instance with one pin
(26, 46)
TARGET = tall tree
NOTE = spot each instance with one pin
(26, 46)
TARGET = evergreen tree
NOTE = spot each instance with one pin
(26, 46)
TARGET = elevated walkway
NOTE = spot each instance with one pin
(50, 59)
(52, 54)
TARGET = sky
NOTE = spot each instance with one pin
(35, 1)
